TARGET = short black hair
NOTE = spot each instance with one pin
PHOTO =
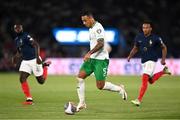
(88, 13)
(148, 22)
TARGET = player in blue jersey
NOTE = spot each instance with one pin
(28, 51)
(147, 44)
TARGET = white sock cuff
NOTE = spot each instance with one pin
(80, 80)
(29, 98)
(111, 87)
(106, 85)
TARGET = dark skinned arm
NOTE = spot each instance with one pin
(99, 45)
(164, 53)
(16, 58)
(132, 53)
(37, 51)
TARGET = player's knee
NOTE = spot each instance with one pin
(40, 80)
(100, 86)
(23, 76)
(22, 79)
(82, 74)
(79, 76)
(150, 80)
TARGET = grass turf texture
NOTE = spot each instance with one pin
(161, 101)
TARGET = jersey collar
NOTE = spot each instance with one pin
(94, 24)
(147, 36)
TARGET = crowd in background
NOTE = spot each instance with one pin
(40, 17)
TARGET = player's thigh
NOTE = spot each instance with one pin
(101, 68)
(85, 70)
(149, 67)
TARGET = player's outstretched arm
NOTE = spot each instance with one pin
(164, 53)
(132, 53)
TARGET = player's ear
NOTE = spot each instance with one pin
(150, 27)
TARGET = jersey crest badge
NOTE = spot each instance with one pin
(99, 31)
(150, 42)
(160, 40)
(21, 42)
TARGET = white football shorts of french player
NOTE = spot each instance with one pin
(31, 66)
(149, 67)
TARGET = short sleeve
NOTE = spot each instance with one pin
(30, 38)
(99, 33)
(160, 41)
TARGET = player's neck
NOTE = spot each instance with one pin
(147, 35)
(18, 34)
(94, 22)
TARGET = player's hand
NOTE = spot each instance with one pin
(87, 56)
(163, 62)
(128, 59)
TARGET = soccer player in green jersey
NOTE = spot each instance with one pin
(96, 60)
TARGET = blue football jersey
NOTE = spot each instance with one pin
(24, 46)
(148, 46)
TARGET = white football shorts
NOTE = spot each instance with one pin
(149, 67)
(30, 66)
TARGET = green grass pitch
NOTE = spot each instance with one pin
(161, 101)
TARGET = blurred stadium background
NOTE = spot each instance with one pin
(41, 17)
